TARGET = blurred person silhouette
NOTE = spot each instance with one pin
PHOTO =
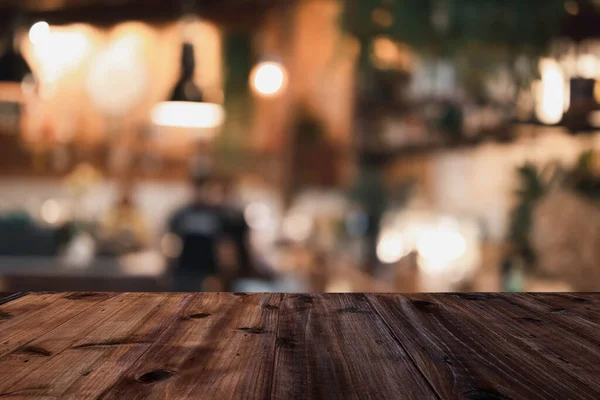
(200, 227)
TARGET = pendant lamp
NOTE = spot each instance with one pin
(13, 67)
(187, 107)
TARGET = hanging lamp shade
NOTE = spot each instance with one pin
(13, 67)
(186, 107)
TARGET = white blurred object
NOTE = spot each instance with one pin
(52, 212)
(297, 225)
(268, 78)
(39, 32)
(550, 93)
(117, 78)
(390, 247)
(448, 247)
(259, 216)
(187, 114)
(58, 52)
(80, 252)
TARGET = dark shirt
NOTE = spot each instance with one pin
(200, 227)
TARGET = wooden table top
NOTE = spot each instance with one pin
(300, 346)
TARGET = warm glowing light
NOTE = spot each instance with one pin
(297, 226)
(597, 92)
(51, 211)
(550, 93)
(268, 78)
(259, 216)
(187, 114)
(441, 245)
(61, 52)
(39, 32)
(390, 248)
(587, 66)
(117, 79)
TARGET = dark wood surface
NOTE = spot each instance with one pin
(299, 346)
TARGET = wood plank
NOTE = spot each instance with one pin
(109, 369)
(461, 359)
(533, 334)
(585, 305)
(31, 316)
(335, 346)
(100, 349)
(564, 319)
(224, 348)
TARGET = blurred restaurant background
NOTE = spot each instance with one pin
(359, 145)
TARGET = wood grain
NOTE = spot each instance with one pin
(462, 358)
(334, 346)
(300, 346)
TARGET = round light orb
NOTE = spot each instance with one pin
(188, 114)
(39, 32)
(268, 78)
(390, 248)
(442, 245)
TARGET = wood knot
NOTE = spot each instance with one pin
(286, 343)
(240, 294)
(305, 298)
(558, 311)
(270, 307)
(484, 394)
(423, 305)
(86, 295)
(5, 315)
(472, 296)
(199, 315)
(155, 376)
(530, 319)
(580, 300)
(35, 351)
(352, 310)
(256, 331)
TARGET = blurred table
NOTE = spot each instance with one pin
(308, 346)
(137, 272)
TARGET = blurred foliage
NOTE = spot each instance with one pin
(535, 182)
(480, 36)
(446, 25)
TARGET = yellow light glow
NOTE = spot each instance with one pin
(390, 248)
(550, 93)
(61, 51)
(187, 114)
(588, 66)
(441, 245)
(51, 211)
(297, 226)
(597, 91)
(268, 78)
(39, 32)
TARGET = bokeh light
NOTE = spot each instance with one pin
(268, 78)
